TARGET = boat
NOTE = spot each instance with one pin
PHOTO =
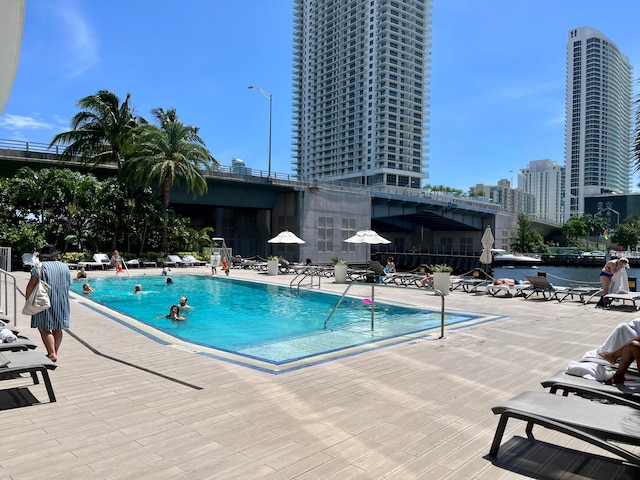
(502, 258)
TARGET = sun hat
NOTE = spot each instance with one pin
(49, 251)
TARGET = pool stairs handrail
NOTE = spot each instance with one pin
(302, 275)
(373, 285)
(7, 281)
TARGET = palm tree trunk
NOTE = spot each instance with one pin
(166, 193)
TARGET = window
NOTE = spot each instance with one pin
(325, 234)
(348, 230)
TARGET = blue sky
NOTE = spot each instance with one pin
(497, 93)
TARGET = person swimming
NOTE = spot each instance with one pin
(174, 314)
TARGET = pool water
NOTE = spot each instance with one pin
(271, 323)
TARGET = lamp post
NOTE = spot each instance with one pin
(270, 97)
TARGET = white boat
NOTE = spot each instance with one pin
(502, 258)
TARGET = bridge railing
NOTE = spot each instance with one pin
(30, 146)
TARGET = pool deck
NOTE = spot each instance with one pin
(130, 407)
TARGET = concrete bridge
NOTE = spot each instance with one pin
(244, 206)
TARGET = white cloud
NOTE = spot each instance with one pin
(22, 122)
(80, 42)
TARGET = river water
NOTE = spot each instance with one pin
(560, 276)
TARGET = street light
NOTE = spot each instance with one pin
(270, 97)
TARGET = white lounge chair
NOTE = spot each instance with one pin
(100, 260)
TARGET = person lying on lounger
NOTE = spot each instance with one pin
(625, 356)
(509, 282)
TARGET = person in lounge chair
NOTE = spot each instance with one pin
(391, 266)
(509, 282)
(624, 356)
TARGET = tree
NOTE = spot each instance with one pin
(573, 229)
(527, 239)
(625, 235)
(593, 224)
(101, 131)
(168, 155)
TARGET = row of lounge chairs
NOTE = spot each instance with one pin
(598, 423)
(20, 357)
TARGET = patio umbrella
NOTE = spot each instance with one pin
(368, 237)
(286, 237)
(487, 242)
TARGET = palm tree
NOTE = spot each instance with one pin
(101, 131)
(168, 155)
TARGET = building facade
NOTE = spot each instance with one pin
(599, 114)
(11, 25)
(361, 84)
(544, 181)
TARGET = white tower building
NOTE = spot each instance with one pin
(361, 84)
(599, 113)
(544, 180)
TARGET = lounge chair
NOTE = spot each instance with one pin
(632, 297)
(100, 260)
(20, 343)
(595, 423)
(133, 263)
(540, 284)
(190, 261)
(509, 290)
(15, 363)
(566, 384)
(177, 261)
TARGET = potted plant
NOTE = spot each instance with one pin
(441, 277)
(339, 269)
(272, 265)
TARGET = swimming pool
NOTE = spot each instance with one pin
(266, 326)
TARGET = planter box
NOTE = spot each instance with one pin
(441, 282)
(272, 267)
(340, 272)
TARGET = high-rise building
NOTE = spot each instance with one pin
(599, 117)
(11, 25)
(544, 180)
(361, 85)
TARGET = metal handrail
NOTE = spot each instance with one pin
(344, 294)
(4, 294)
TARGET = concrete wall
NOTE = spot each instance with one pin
(318, 203)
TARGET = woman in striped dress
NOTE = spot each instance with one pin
(52, 321)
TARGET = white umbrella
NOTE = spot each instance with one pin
(487, 242)
(286, 237)
(368, 237)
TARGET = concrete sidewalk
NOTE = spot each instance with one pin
(130, 407)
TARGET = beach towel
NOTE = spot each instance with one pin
(620, 282)
(619, 336)
(7, 336)
(588, 370)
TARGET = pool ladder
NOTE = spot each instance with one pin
(373, 305)
(301, 276)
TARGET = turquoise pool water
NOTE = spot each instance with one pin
(266, 322)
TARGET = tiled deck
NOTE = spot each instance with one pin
(415, 410)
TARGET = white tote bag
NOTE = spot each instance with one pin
(39, 298)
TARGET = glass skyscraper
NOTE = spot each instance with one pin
(599, 115)
(361, 86)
